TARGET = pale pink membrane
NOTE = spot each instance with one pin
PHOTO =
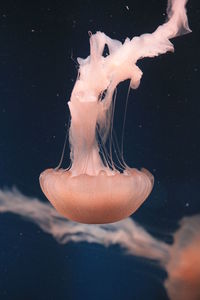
(93, 190)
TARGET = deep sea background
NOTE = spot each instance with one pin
(39, 44)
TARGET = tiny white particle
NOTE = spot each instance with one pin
(127, 7)
(74, 23)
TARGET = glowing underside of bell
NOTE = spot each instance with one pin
(96, 199)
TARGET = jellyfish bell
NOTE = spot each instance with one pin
(96, 199)
(93, 190)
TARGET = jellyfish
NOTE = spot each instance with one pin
(183, 267)
(93, 189)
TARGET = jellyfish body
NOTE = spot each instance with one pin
(96, 199)
(93, 190)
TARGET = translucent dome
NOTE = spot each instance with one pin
(96, 199)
